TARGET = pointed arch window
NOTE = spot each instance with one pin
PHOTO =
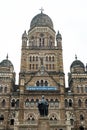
(46, 83)
(42, 84)
(27, 103)
(30, 58)
(71, 121)
(17, 103)
(13, 103)
(1, 117)
(70, 103)
(81, 117)
(3, 103)
(79, 103)
(37, 83)
(66, 103)
(52, 58)
(51, 103)
(5, 89)
(32, 102)
(36, 58)
(56, 103)
(46, 58)
(12, 122)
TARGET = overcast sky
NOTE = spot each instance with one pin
(68, 16)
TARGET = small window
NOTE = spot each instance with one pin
(27, 103)
(12, 122)
(66, 103)
(71, 121)
(70, 103)
(81, 117)
(5, 89)
(1, 117)
(17, 103)
(3, 103)
(1, 89)
(86, 102)
(13, 103)
(79, 103)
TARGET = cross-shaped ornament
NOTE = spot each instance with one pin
(41, 10)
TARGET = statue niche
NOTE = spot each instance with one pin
(43, 107)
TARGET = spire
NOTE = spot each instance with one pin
(7, 57)
(75, 57)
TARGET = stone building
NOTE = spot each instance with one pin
(41, 73)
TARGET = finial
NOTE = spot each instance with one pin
(7, 57)
(41, 10)
(75, 56)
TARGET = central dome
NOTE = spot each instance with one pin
(41, 20)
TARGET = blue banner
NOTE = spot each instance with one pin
(42, 88)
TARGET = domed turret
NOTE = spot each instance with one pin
(41, 20)
(77, 66)
(58, 36)
(7, 64)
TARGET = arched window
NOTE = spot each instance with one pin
(86, 89)
(81, 128)
(27, 103)
(33, 66)
(47, 66)
(5, 89)
(1, 117)
(42, 83)
(30, 58)
(33, 58)
(37, 100)
(70, 103)
(37, 83)
(12, 122)
(78, 89)
(52, 58)
(51, 103)
(46, 83)
(1, 89)
(36, 58)
(71, 121)
(46, 58)
(13, 103)
(3, 103)
(36, 66)
(66, 103)
(30, 66)
(32, 102)
(56, 102)
(49, 58)
(86, 102)
(79, 103)
(17, 103)
(81, 117)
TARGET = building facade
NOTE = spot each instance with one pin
(42, 73)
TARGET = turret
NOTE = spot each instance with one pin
(59, 40)
(24, 39)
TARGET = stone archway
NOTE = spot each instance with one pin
(81, 128)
